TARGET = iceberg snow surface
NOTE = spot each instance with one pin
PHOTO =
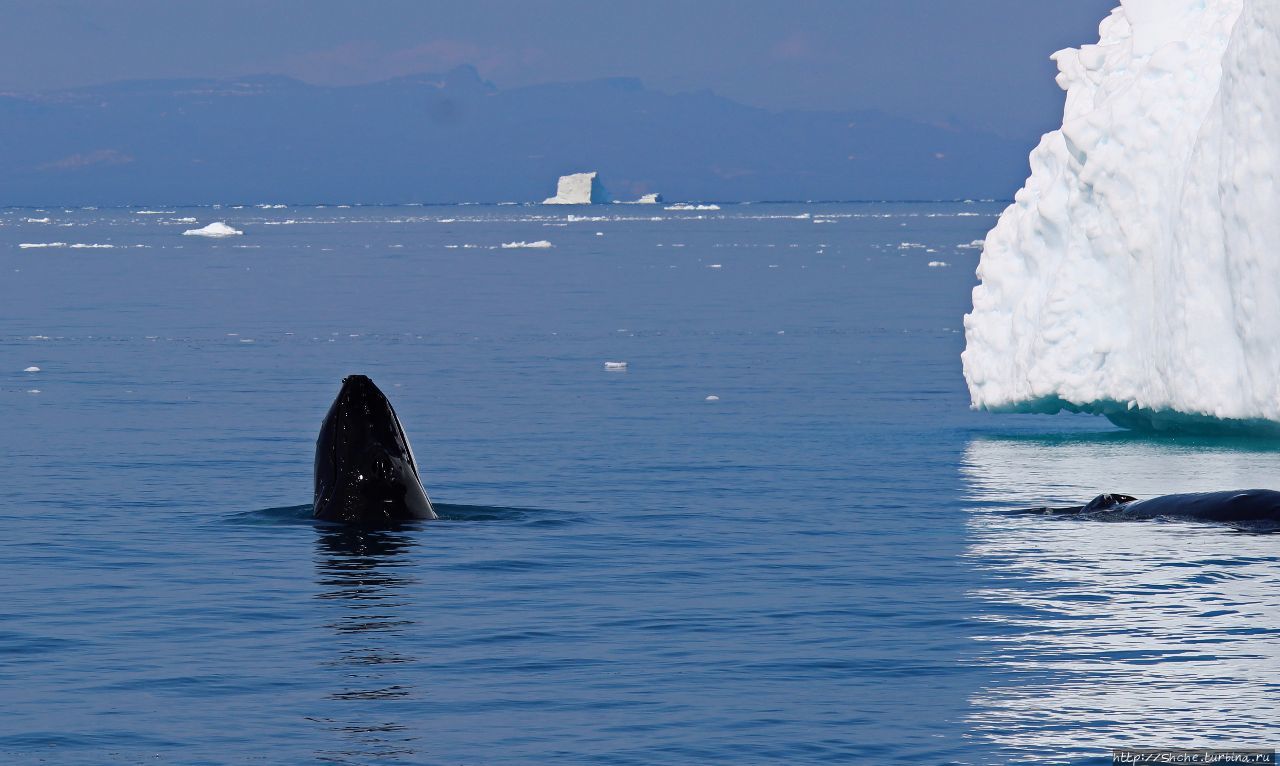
(216, 230)
(578, 189)
(1137, 273)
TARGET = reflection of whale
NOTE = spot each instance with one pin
(1236, 506)
(365, 471)
(359, 572)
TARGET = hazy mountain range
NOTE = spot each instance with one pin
(455, 138)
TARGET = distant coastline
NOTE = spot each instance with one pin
(453, 137)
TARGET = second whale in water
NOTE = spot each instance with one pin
(1230, 507)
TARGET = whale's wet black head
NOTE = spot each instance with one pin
(365, 470)
(1108, 502)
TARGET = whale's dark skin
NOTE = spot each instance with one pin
(365, 471)
(1230, 507)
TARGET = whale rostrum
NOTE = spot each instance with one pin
(365, 471)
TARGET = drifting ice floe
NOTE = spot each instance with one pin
(687, 206)
(538, 245)
(32, 368)
(30, 245)
(1137, 273)
(217, 229)
(615, 366)
(578, 189)
(647, 199)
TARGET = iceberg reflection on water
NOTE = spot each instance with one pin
(1100, 635)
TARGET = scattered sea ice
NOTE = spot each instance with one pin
(937, 264)
(712, 398)
(32, 368)
(615, 366)
(538, 245)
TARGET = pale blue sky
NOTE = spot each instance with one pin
(980, 62)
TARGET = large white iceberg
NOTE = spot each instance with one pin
(1137, 274)
(578, 189)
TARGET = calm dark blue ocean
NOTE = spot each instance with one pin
(812, 568)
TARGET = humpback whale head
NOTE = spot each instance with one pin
(365, 471)
(1108, 502)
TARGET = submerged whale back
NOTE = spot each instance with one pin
(365, 472)
(1230, 506)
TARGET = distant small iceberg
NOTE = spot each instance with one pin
(647, 199)
(216, 230)
(537, 245)
(579, 189)
(615, 366)
(687, 206)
